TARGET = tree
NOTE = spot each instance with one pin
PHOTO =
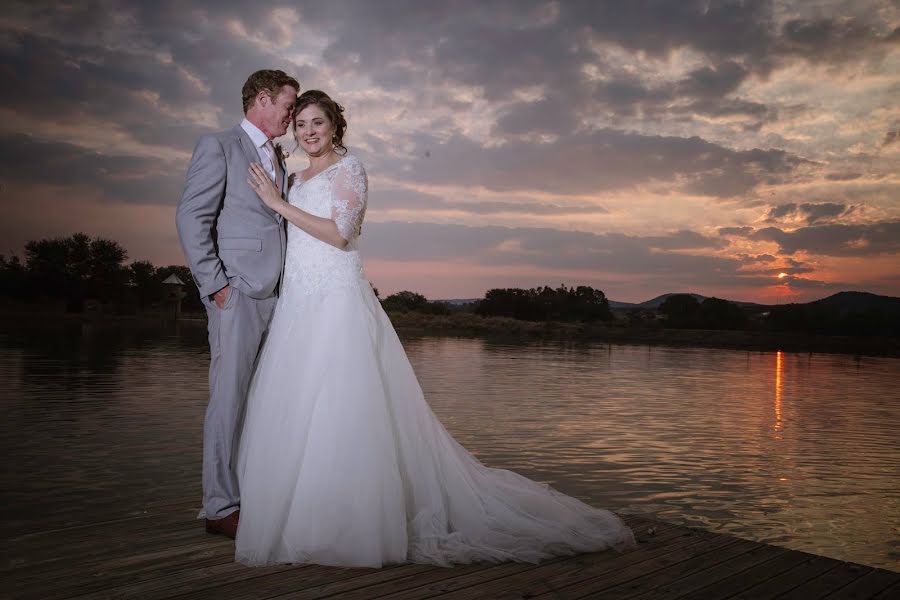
(405, 301)
(681, 310)
(583, 303)
(147, 287)
(12, 277)
(722, 314)
(108, 276)
(76, 268)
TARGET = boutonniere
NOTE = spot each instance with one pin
(282, 152)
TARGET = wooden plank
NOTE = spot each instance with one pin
(499, 578)
(296, 581)
(866, 586)
(842, 575)
(376, 585)
(164, 553)
(695, 574)
(187, 581)
(68, 565)
(629, 582)
(132, 569)
(548, 579)
(889, 593)
(44, 547)
(747, 578)
(463, 583)
(781, 584)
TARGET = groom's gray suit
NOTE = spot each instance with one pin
(229, 238)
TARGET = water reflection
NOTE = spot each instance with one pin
(779, 373)
(110, 419)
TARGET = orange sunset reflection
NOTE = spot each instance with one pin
(779, 372)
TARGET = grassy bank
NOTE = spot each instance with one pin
(467, 324)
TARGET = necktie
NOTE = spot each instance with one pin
(276, 164)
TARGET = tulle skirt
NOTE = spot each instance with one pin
(342, 462)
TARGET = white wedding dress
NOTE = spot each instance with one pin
(342, 462)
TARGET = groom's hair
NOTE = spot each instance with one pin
(268, 80)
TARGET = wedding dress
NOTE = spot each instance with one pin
(341, 460)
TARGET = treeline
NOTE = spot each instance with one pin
(580, 303)
(816, 318)
(77, 269)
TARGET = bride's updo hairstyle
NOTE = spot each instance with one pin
(333, 110)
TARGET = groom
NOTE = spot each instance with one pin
(235, 248)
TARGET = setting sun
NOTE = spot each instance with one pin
(782, 275)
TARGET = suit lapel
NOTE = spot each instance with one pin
(253, 156)
(247, 145)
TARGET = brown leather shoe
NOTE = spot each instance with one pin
(226, 526)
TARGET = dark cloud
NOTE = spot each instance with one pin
(836, 239)
(842, 176)
(160, 90)
(135, 179)
(593, 162)
(545, 248)
(805, 283)
(811, 213)
(832, 39)
(552, 115)
(406, 199)
(759, 258)
(736, 231)
(890, 137)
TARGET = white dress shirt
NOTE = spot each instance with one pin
(259, 140)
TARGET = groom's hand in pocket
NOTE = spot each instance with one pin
(221, 296)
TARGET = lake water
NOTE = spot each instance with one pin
(799, 450)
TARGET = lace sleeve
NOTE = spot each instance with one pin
(350, 193)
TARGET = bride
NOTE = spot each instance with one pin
(341, 460)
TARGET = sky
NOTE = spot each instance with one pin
(740, 149)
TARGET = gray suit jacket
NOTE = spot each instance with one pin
(228, 235)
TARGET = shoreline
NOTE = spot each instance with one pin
(468, 325)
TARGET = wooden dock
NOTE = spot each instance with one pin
(163, 552)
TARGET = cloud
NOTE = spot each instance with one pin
(406, 199)
(650, 120)
(736, 231)
(833, 39)
(543, 247)
(809, 212)
(836, 239)
(759, 258)
(128, 179)
(589, 163)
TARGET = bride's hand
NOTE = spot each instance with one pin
(263, 186)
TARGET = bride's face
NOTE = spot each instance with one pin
(314, 130)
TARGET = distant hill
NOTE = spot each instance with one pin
(859, 302)
(657, 302)
(843, 301)
(649, 304)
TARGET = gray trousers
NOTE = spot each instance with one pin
(236, 333)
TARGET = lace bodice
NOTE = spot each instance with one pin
(338, 193)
